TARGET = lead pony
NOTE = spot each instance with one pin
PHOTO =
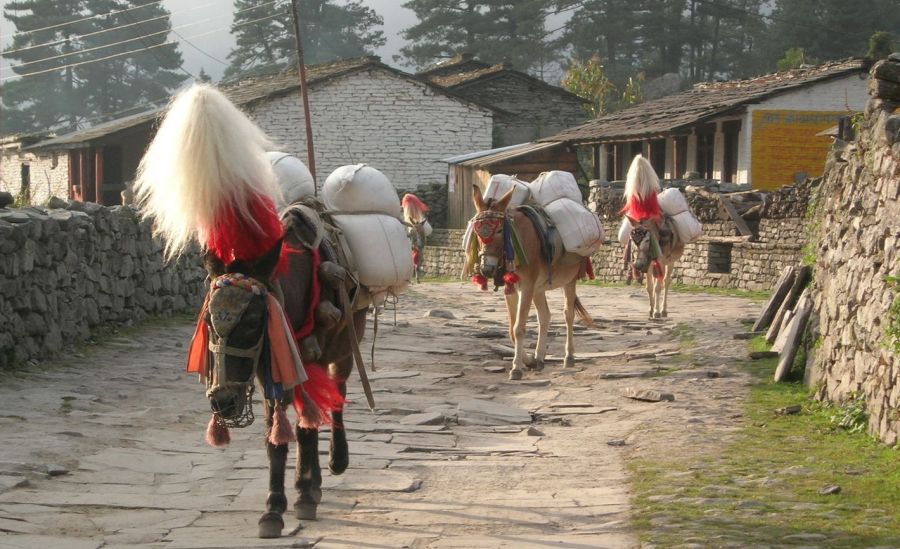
(653, 245)
(205, 180)
(509, 251)
(415, 213)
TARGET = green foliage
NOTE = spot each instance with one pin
(853, 415)
(881, 45)
(892, 330)
(330, 31)
(63, 81)
(794, 58)
(494, 31)
(634, 91)
(589, 81)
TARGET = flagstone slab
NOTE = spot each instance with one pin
(143, 461)
(121, 501)
(8, 524)
(484, 412)
(535, 541)
(231, 538)
(27, 541)
(384, 481)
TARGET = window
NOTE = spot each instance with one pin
(719, 258)
(658, 157)
(680, 157)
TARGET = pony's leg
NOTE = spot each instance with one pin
(543, 314)
(667, 281)
(308, 479)
(339, 452)
(658, 295)
(650, 288)
(271, 523)
(526, 293)
(569, 290)
(512, 306)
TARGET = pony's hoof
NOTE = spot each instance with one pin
(270, 525)
(664, 314)
(339, 462)
(569, 362)
(305, 510)
(515, 374)
(538, 365)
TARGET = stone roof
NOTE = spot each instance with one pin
(704, 101)
(455, 76)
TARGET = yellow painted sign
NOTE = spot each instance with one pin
(785, 144)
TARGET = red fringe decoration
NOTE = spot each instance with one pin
(235, 237)
(511, 278)
(415, 202)
(640, 209)
(217, 435)
(480, 281)
(317, 397)
(657, 269)
(281, 432)
(315, 292)
(417, 257)
(589, 268)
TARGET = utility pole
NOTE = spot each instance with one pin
(304, 93)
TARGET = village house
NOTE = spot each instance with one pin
(38, 176)
(760, 131)
(531, 108)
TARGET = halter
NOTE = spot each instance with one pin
(638, 234)
(219, 350)
(486, 225)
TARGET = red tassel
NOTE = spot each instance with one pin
(281, 432)
(657, 269)
(480, 281)
(217, 434)
(641, 209)
(589, 268)
(511, 278)
(317, 397)
(417, 258)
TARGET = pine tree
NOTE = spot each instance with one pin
(52, 98)
(80, 86)
(493, 30)
(330, 31)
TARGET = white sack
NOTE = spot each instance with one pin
(687, 226)
(500, 184)
(550, 186)
(625, 232)
(672, 202)
(360, 188)
(426, 229)
(380, 248)
(580, 229)
(293, 177)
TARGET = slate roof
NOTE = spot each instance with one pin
(468, 72)
(704, 101)
(251, 90)
(463, 62)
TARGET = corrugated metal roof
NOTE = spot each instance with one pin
(493, 156)
(703, 101)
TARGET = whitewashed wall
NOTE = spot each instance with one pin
(49, 174)
(399, 126)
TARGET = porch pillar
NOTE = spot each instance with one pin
(98, 174)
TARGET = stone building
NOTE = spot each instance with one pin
(38, 175)
(760, 131)
(530, 108)
(362, 111)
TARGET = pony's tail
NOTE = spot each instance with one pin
(583, 315)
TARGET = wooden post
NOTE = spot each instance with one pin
(83, 174)
(304, 93)
(74, 189)
(596, 159)
(98, 175)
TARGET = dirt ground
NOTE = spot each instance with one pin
(104, 448)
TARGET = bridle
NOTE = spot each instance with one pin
(219, 349)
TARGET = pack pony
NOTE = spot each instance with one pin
(507, 248)
(653, 246)
(415, 213)
(205, 180)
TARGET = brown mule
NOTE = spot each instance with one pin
(658, 270)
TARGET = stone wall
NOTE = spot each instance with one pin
(400, 126)
(49, 173)
(67, 272)
(435, 196)
(536, 110)
(857, 248)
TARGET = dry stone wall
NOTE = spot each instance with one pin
(858, 248)
(67, 272)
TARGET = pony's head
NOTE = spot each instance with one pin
(236, 315)
(414, 210)
(641, 239)
(488, 226)
(206, 162)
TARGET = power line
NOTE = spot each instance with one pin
(117, 55)
(162, 61)
(186, 25)
(88, 18)
(95, 33)
(191, 44)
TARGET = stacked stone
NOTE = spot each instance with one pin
(67, 271)
(790, 201)
(858, 248)
(435, 196)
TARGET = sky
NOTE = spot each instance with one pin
(205, 24)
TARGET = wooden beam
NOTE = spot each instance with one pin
(83, 174)
(739, 222)
(794, 336)
(98, 175)
(779, 292)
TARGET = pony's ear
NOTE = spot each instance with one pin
(478, 198)
(503, 203)
(265, 266)
(214, 266)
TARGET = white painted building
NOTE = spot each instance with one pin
(760, 131)
(40, 175)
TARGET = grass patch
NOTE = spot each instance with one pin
(438, 279)
(764, 488)
(756, 295)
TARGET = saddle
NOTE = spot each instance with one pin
(545, 228)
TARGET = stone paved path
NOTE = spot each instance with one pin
(105, 448)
